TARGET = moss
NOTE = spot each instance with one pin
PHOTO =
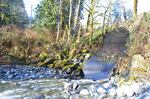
(43, 56)
(84, 51)
(67, 67)
(132, 78)
(61, 63)
(72, 53)
(40, 64)
(51, 65)
(80, 68)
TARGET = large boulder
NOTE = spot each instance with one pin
(137, 61)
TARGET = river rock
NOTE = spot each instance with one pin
(66, 85)
(136, 87)
(84, 92)
(75, 86)
(108, 85)
(14, 72)
(125, 90)
(101, 90)
(70, 88)
(39, 97)
(137, 61)
(112, 92)
(10, 76)
(119, 92)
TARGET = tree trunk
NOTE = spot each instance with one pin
(135, 7)
(70, 15)
(104, 19)
(76, 16)
(59, 23)
(88, 23)
(124, 13)
(92, 20)
(79, 33)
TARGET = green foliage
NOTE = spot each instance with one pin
(43, 56)
(46, 14)
(13, 12)
(3, 16)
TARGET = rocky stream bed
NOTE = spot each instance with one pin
(53, 88)
(26, 82)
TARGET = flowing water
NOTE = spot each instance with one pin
(32, 89)
(42, 89)
(23, 82)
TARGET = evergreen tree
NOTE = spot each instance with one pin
(3, 13)
(51, 14)
(46, 14)
(15, 13)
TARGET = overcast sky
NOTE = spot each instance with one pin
(144, 5)
(28, 4)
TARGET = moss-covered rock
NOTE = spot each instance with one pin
(50, 65)
(46, 62)
(43, 56)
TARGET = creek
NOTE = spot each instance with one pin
(26, 82)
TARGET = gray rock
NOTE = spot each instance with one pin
(71, 88)
(84, 92)
(119, 92)
(112, 92)
(10, 76)
(93, 87)
(75, 86)
(125, 90)
(136, 87)
(137, 61)
(25, 85)
(108, 85)
(39, 97)
(101, 90)
(67, 85)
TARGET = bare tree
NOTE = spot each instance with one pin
(70, 15)
(92, 20)
(59, 19)
(104, 17)
(88, 23)
(124, 13)
(76, 15)
(89, 26)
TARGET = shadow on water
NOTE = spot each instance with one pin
(100, 65)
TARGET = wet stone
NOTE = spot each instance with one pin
(10, 76)
(84, 92)
(65, 88)
(14, 72)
